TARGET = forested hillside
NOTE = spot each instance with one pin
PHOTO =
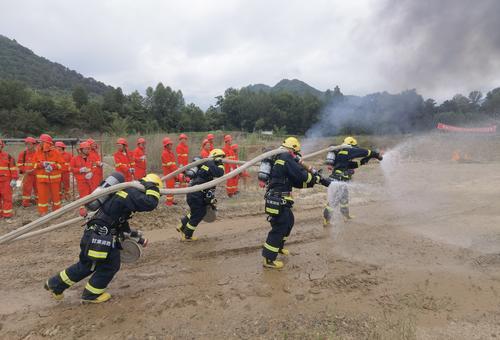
(20, 63)
(291, 106)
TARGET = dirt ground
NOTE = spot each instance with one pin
(419, 260)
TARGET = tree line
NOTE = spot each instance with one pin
(24, 110)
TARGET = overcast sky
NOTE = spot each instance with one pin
(203, 47)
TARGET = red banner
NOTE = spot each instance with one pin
(488, 129)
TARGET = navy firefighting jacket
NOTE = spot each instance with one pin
(287, 173)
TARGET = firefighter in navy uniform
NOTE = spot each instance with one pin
(199, 200)
(100, 246)
(346, 160)
(286, 173)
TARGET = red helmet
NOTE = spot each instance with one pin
(60, 144)
(122, 141)
(30, 140)
(46, 138)
(183, 136)
(141, 141)
(210, 137)
(205, 141)
(84, 145)
(228, 138)
(234, 146)
(166, 141)
(90, 141)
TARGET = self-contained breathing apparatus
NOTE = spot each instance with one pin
(191, 172)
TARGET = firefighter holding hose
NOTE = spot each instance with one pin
(343, 163)
(286, 172)
(198, 201)
(100, 243)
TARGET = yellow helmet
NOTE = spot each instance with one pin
(217, 153)
(153, 178)
(292, 143)
(350, 141)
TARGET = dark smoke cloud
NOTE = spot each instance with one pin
(440, 44)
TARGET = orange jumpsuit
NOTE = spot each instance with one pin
(232, 183)
(85, 186)
(168, 165)
(140, 162)
(8, 172)
(65, 187)
(25, 164)
(48, 183)
(124, 161)
(182, 159)
(96, 170)
(204, 153)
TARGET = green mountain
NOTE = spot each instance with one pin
(20, 63)
(294, 86)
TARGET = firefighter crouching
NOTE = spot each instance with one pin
(199, 200)
(100, 244)
(286, 173)
(344, 162)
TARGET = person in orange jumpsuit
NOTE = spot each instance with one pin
(243, 174)
(82, 169)
(140, 158)
(25, 165)
(97, 164)
(232, 183)
(8, 178)
(205, 149)
(182, 151)
(124, 160)
(48, 164)
(210, 138)
(168, 164)
(66, 156)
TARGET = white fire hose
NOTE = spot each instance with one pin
(24, 231)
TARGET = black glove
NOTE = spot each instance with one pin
(377, 155)
(298, 157)
(315, 171)
(364, 160)
(218, 161)
(325, 181)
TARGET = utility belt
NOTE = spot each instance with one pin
(342, 175)
(275, 202)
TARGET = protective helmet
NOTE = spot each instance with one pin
(234, 146)
(350, 141)
(228, 138)
(122, 141)
(154, 178)
(60, 144)
(83, 145)
(217, 153)
(205, 141)
(210, 137)
(46, 138)
(166, 141)
(183, 136)
(30, 140)
(90, 141)
(141, 141)
(292, 143)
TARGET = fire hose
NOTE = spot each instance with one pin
(25, 230)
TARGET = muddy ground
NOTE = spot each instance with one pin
(419, 260)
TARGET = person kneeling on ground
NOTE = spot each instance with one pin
(199, 200)
(100, 246)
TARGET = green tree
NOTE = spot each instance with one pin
(80, 96)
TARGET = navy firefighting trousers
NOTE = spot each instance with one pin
(281, 227)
